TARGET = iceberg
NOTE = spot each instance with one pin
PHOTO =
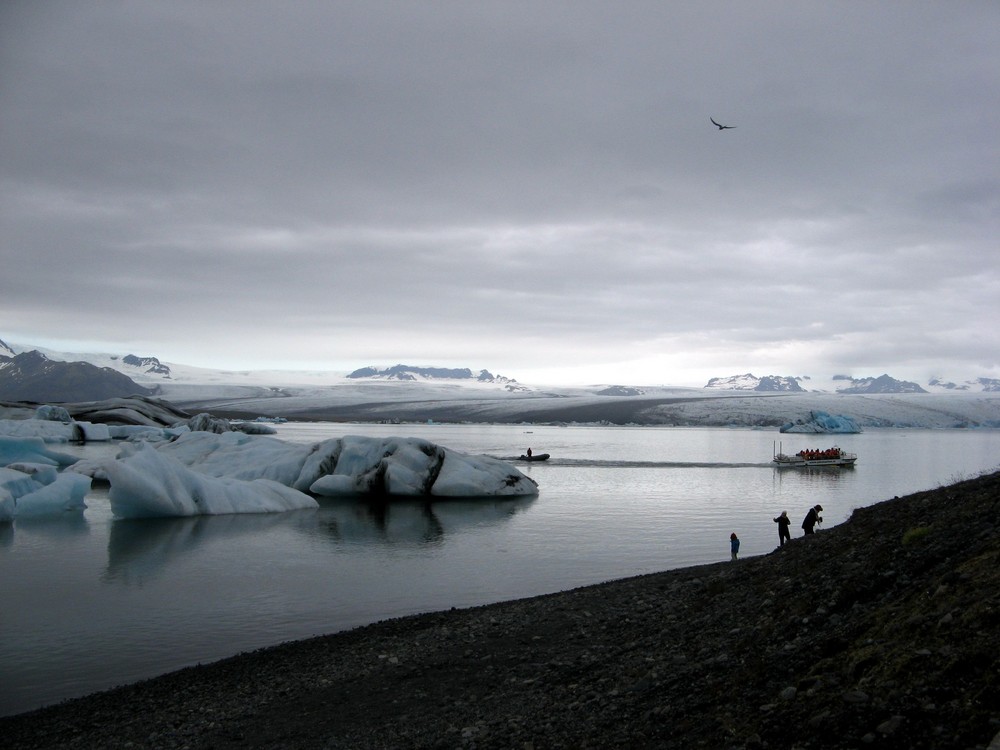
(247, 457)
(54, 431)
(64, 495)
(208, 473)
(821, 422)
(53, 413)
(393, 466)
(32, 490)
(30, 449)
(352, 465)
(148, 484)
(17, 483)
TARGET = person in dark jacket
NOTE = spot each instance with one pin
(784, 522)
(734, 545)
(812, 518)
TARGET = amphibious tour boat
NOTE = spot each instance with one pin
(808, 457)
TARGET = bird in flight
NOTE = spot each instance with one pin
(722, 127)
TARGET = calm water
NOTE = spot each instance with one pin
(92, 602)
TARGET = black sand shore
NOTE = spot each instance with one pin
(882, 632)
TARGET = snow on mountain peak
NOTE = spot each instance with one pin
(415, 373)
(750, 382)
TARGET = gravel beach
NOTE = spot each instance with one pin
(881, 632)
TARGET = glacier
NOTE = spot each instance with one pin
(819, 422)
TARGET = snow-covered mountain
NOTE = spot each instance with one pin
(848, 384)
(413, 373)
(749, 382)
(31, 376)
(881, 384)
(984, 385)
(410, 393)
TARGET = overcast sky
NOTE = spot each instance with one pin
(534, 188)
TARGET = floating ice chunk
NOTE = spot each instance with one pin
(205, 422)
(414, 467)
(31, 450)
(41, 473)
(337, 485)
(53, 414)
(38, 490)
(64, 495)
(44, 430)
(90, 467)
(350, 465)
(17, 483)
(139, 432)
(91, 433)
(149, 483)
(55, 431)
(391, 466)
(242, 456)
(465, 476)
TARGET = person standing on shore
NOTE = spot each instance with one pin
(734, 545)
(812, 518)
(784, 522)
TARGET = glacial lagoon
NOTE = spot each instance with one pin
(91, 601)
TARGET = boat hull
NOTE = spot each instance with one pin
(794, 462)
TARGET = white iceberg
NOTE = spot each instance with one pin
(42, 473)
(31, 449)
(391, 466)
(65, 495)
(53, 413)
(351, 465)
(148, 483)
(54, 431)
(17, 483)
(33, 490)
(241, 456)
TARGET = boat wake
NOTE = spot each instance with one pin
(625, 464)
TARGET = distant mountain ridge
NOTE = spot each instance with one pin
(149, 365)
(986, 385)
(413, 373)
(33, 377)
(151, 371)
(881, 384)
(750, 382)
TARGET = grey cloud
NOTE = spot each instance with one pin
(444, 178)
